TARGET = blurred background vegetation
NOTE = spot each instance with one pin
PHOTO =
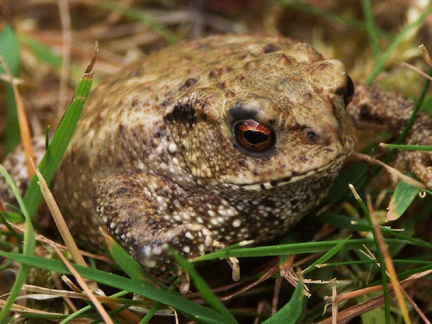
(48, 43)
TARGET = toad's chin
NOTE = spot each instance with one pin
(325, 170)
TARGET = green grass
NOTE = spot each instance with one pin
(9, 50)
(340, 255)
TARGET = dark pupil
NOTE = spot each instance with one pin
(255, 137)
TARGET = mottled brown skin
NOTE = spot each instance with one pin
(156, 158)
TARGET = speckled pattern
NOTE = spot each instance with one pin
(155, 158)
(215, 141)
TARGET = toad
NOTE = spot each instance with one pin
(218, 140)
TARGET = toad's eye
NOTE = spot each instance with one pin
(254, 136)
(349, 93)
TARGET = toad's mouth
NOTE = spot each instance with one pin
(329, 169)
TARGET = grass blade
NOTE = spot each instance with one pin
(292, 311)
(9, 51)
(28, 247)
(370, 27)
(382, 60)
(326, 256)
(204, 288)
(188, 308)
(401, 200)
(60, 141)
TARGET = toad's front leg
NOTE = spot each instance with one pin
(147, 214)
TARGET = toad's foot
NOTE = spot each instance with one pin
(190, 240)
(185, 279)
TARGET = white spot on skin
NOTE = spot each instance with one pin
(189, 235)
(236, 223)
(172, 148)
(160, 200)
(140, 165)
(159, 150)
(147, 250)
(149, 263)
(157, 250)
(186, 249)
(222, 212)
(201, 249)
(185, 217)
(208, 242)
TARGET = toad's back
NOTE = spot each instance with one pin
(207, 143)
